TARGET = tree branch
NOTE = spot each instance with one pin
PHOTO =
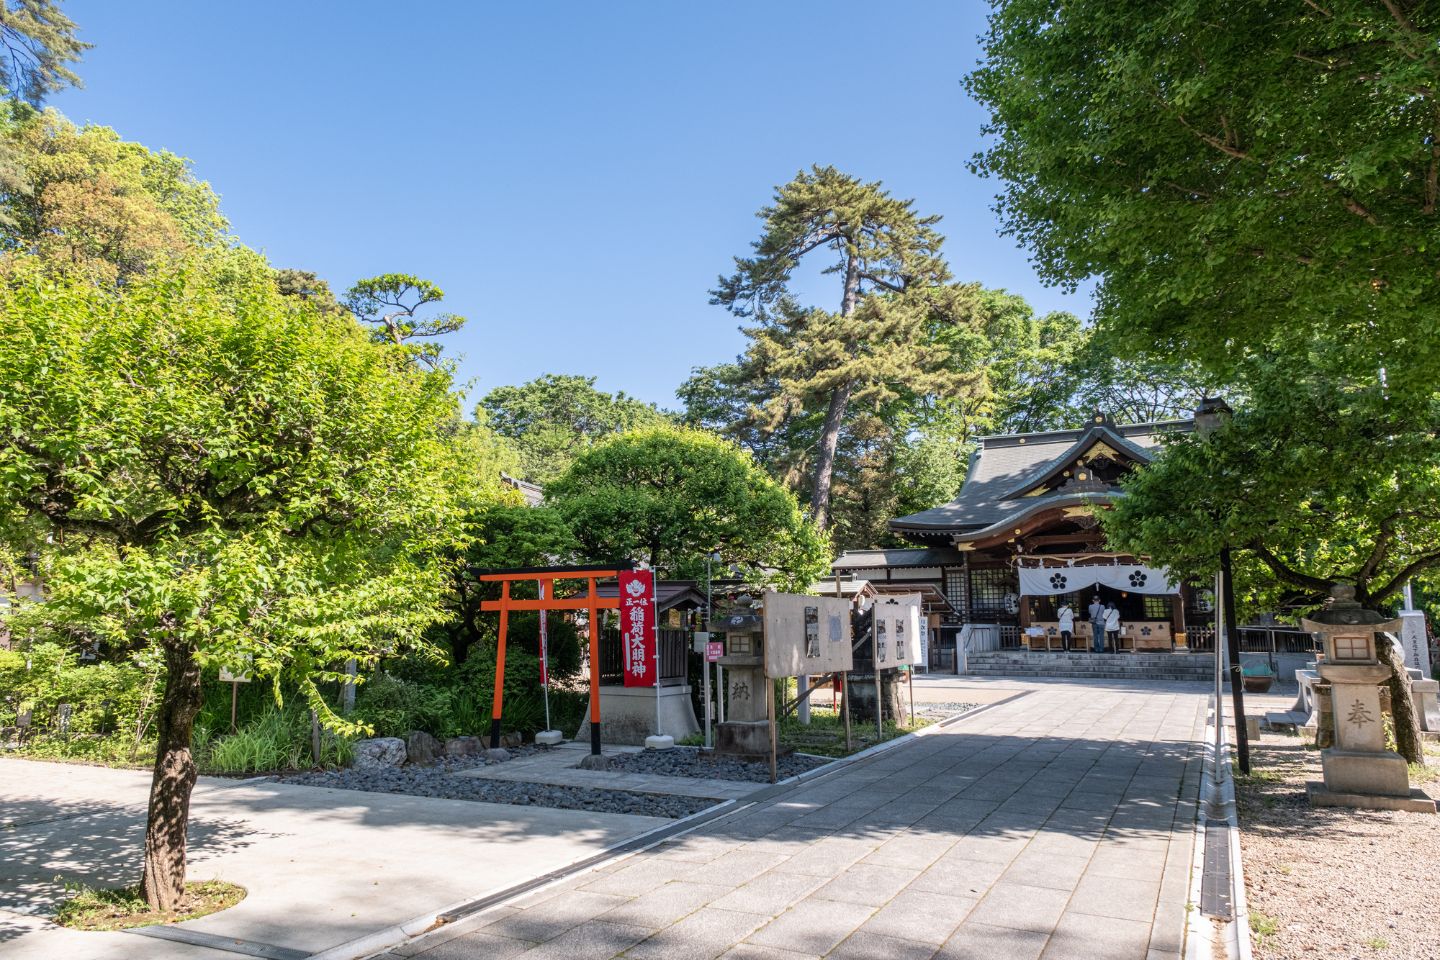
(1284, 572)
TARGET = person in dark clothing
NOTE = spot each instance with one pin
(1097, 625)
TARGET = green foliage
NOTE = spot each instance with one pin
(671, 496)
(882, 342)
(390, 305)
(1318, 478)
(239, 476)
(555, 418)
(104, 698)
(277, 739)
(92, 909)
(1239, 176)
(82, 199)
(37, 44)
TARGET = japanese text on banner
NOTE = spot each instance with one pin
(637, 627)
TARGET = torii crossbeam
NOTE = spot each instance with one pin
(589, 602)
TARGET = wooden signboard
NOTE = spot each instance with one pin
(807, 636)
(897, 632)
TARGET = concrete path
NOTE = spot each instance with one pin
(1055, 826)
(322, 866)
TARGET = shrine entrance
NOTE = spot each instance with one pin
(587, 599)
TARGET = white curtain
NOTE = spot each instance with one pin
(1133, 578)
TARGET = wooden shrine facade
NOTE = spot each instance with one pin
(1031, 501)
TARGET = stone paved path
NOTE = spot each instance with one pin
(1055, 826)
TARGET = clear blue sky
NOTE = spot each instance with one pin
(574, 175)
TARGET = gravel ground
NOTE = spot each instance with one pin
(688, 762)
(1332, 882)
(434, 781)
(935, 712)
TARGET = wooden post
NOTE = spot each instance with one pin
(770, 713)
(911, 674)
(498, 701)
(234, 698)
(845, 698)
(875, 662)
(594, 673)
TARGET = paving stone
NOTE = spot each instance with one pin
(591, 939)
(704, 934)
(868, 884)
(665, 904)
(1082, 937)
(812, 926)
(1129, 863)
(956, 876)
(739, 866)
(911, 850)
(1021, 907)
(641, 876)
(753, 951)
(770, 893)
(868, 946)
(920, 915)
(1113, 897)
(554, 916)
(478, 944)
(979, 941)
(1041, 868)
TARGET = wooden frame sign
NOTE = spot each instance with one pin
(806, 636)
(897, 632)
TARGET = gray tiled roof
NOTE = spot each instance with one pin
(1005, 466)
(904, 557)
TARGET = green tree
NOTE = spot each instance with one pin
(499, 535)
(556, 417)
(1317, 479)
(37, 42)
(391, 304)
(223, 475)
(670, 496)
(893, 287)
(83, 199)
(1237, 175)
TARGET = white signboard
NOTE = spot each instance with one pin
(806, 636)
(897, 632)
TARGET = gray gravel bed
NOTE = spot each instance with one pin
(689, 762)
(939, 711)
(435, 781)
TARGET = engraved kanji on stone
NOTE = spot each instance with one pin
(1359, 714)
(740, 690)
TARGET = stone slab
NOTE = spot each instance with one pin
(1416, 802)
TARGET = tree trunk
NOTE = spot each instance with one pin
(1408, 742)
(825, 462)
(163, 883)
(835, 415)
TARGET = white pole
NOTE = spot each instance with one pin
(655, 606)
(1220, 626)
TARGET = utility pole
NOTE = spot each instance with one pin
(1237, 676)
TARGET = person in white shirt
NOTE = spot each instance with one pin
(1066, 616)
(1112, 627)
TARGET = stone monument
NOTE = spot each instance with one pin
(1359, 770)
(746, 729)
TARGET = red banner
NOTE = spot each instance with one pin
(544, 638)
(637, 627)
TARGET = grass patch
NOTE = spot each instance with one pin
(1377, 943)
(1263, 927)
(825, 735)
(1423, 773)
(91, 909)
(1257, 775)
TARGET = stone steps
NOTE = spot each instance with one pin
(1089, 666)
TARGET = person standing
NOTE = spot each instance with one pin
(1112, 626)
(1066, 616)
(1097, 625)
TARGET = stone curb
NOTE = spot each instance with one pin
(1208, 936)
(448, 916)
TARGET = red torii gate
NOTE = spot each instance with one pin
(589, 602)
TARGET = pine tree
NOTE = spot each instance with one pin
(894, 287)
(37, 42)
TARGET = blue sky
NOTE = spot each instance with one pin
(573, 175)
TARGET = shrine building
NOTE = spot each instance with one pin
(1022, 536)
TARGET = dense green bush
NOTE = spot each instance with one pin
(276, 739)
(105, 699)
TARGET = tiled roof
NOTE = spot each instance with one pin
(1005, 466)
(905, 557)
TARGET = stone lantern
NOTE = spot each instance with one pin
(746, 730)
(1359, 770)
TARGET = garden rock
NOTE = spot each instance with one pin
(421, 748)
(512, 740)
(379, 753)
(462, 747)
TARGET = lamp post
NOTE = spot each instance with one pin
(710, 559)
(1209, 416)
